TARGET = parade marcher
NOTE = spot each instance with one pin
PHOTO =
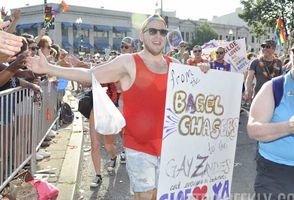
(181, 51)
(219, 63)
(197, 56)
(271, 123)
(143, 79)
(263, 69)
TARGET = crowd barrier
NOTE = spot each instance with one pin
(26, 117)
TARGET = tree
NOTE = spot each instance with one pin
(262, 14)
(204, 33)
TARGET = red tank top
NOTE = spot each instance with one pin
(143, 109)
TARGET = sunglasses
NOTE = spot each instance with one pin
(219, 52)
(197, 51)
(265, 46)
(153, 31)
(124, 47)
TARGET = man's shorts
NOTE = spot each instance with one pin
(143, 170)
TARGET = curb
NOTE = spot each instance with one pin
(69, 173)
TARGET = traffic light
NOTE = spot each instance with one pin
(49, 18)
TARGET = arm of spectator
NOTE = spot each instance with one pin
(8, 72)
(9, 44)
(14, 20)
(41, 34)
(259, 125)
(249, 85)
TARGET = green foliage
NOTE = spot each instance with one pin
(204, 33)
(263, 13)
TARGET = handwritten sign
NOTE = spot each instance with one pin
(174, 38)
(236, 55)
(200, 133)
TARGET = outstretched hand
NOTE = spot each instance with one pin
(9, 44)
(38, 64)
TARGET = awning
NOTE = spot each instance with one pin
(38, 24)
(83, 26)
(120, 29)
(66, 45)
(102, 28)
(67, 25)
(25, 26)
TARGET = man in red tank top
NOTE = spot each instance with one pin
(143, 79)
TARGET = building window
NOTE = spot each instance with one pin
(233, 37)
(187, 37)
(252, 39)
(227, 37)
(220, 37)
(183, 35)
(101, 34)
(119, 35)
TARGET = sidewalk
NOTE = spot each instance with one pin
(62, 167)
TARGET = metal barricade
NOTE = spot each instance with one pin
(24, 124)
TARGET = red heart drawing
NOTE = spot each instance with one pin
(200, 193)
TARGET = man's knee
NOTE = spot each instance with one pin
(148, 195)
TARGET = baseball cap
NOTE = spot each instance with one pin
(269, 42)
(128, 41)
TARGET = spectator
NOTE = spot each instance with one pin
(197, 58)
(263, 69)
(273, 127)
(219, 63)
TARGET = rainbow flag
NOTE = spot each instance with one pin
(279, 32)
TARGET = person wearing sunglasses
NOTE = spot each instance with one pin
(127, 45)
(271, 123)
(143, 79)
(182, 52)
(45, 45)
(219, 63)
(197, 56)
(262, 69)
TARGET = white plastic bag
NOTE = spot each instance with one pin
(108, 119)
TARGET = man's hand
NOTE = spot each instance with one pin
(204, 67)
(38, 64)
(20, 60)
(16, 14)
(9, 44)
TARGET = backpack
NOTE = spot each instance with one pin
(66, 114)
(278, 89)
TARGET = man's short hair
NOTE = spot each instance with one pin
(151, 18)
(269, 42)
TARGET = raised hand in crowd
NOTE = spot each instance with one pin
(41, 34)
(14, 19)
(9, 45)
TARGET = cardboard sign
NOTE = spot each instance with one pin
(200, 133)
